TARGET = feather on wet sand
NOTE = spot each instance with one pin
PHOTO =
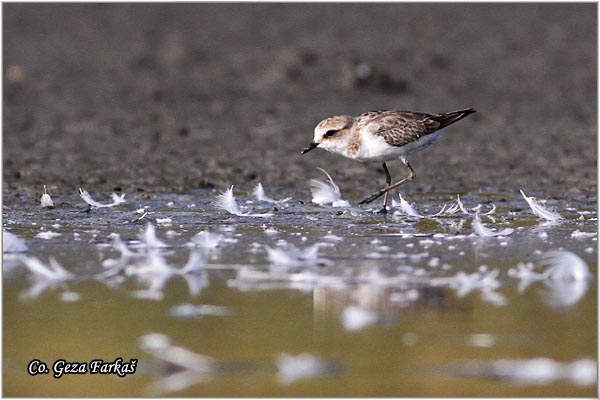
(226, 201)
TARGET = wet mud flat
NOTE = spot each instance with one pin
(169, 105)
(311, 300)
(171, 98)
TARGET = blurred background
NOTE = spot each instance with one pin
(171, 103)
(172, 97)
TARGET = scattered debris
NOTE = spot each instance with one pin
(207, 240)
(539, 210)
(327, 193)
(481, 230)
(560, 265)
(226, 201)
(47, 235)
(407, 208)
(187, 368)
(46, 200)
(577, 234)
(164, 221)
(485, 282)
(566, 277)
(153, 271)
(51, 272)
(291, 256)
(141, 217)
(475, 209)
(260, 195)
(94, 204)
(149, 239)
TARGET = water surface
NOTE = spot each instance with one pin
(380, 311)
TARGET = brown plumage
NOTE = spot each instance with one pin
(382, 136)
(399, 128)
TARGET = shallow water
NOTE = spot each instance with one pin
(383, 310)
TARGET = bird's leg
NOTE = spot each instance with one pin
(388, 182)
(383, 191)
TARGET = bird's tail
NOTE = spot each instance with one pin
(449, 118)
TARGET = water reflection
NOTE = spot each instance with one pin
(178, 368)
(384, 300)
(361, 305)
(370, 272)
(534, 371)
(566, 277)
(561, 294)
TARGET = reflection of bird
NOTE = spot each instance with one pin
(382, 136)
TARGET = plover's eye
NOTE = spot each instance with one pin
(330, 133)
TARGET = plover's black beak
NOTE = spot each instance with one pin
(311, 146)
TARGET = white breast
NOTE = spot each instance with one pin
(375, 148)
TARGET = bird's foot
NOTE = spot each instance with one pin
(373, 197)
(382, 211)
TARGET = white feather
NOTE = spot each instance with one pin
(481, 230)
(539, 210)
(326, 193)
(88, 199)
(260, 195)
(340, 203)
(226, 201)
(407, 208)
(460, 205)
(493, 210)
(453, 209)
(47, 235)
(46, 200)
(442, 211)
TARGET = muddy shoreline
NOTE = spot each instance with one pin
(172, 98)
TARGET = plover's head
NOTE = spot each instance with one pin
(332, 134)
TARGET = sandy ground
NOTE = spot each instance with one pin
(177, 97)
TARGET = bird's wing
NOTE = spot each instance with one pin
(398, 128)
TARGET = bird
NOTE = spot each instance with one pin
(382, 136)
